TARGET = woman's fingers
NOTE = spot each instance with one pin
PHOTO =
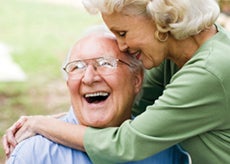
(8, 139)
(5, 144)
(23, 133)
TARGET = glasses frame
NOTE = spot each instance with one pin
(65, 68)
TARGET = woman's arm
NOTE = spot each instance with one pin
(181, 112)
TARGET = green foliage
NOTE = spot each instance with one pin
(39, 35)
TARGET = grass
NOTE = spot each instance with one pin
(39, 35)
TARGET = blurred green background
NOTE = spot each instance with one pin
(39, 33)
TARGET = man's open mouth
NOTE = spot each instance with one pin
(96, 97)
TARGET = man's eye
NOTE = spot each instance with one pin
(122, 33)
(105, 63)
(77, 66)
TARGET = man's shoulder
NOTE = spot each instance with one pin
(30, 144)
(39, 149)
(25, 151)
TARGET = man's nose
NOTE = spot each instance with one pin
(91, 75)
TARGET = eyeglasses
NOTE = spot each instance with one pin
(103, 65)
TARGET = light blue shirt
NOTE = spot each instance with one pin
(40, 150)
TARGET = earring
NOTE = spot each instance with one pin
(162, 37)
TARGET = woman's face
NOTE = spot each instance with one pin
(135, 34)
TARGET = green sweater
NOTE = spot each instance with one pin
(190, 106)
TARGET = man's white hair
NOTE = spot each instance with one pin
(95, 29)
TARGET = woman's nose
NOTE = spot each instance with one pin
(122, 45)
(91, 75)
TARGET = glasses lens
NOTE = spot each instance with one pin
(106, 66)
(75, 66)
(106, 62)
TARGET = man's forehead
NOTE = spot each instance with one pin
(92, 47)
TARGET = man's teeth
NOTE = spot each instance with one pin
(96, 94)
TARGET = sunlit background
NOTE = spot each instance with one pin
(35, 36)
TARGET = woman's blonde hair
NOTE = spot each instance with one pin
(182, 18)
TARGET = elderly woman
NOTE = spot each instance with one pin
(187, 87)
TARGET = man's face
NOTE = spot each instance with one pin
(102, 100)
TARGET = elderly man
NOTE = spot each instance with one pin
(103, 83)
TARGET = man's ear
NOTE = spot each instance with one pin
(139, 77)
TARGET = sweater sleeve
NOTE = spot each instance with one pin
(187, 108)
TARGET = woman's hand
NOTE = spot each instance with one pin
(8, 140)
(28, 128)
(24, 128)
(68, 134)
(30, 124)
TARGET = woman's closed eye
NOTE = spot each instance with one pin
(122, 33)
